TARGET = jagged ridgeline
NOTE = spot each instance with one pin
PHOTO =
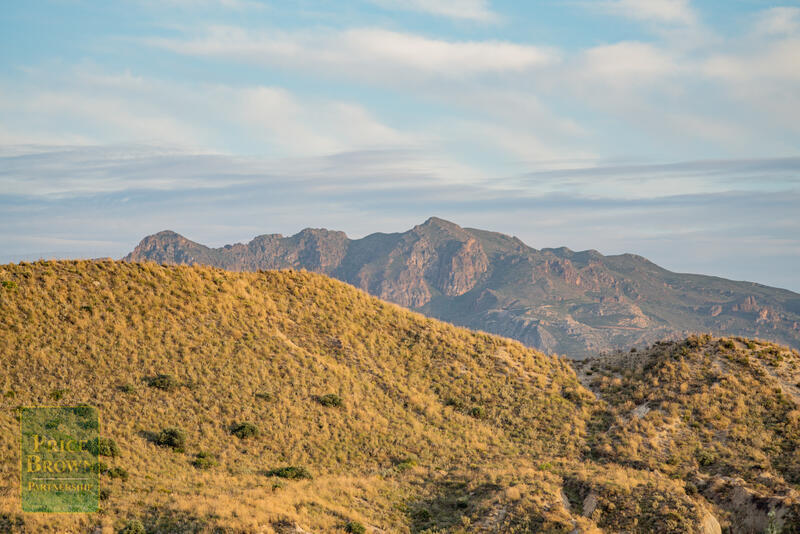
(287, 401)
(556, 300)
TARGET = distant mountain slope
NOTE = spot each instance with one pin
(391, 421)
(557, 300)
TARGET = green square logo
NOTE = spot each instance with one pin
(59, 459)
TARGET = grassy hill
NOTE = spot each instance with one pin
(286, 401)
(554, 299)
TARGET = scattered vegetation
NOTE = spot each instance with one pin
(104, 447)
(290, 472)
(331, 400)
(165, 382)
(244, 430)
(204, 460)
(173, 438)
(676, 430)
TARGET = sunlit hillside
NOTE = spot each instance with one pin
(286, 401)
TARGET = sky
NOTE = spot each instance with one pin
(665, 128)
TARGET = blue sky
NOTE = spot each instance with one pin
(668, 128)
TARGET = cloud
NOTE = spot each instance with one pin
(362, 52)
(475, 10)
(627, 64)
(779, 21)
(122, 108)
(706, 216)
(661, 11)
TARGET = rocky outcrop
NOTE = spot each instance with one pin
(556, 300)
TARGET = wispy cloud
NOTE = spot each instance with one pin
(361, 52)
(662, 11)
(705, 216)
(475, 10)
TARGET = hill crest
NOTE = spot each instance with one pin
(553, 299)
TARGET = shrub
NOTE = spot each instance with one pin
(330, 400)
(118, 472)
(9, 284)
(355, 527)
(204, 460)
(58, 394)
(163, 381)
(291, 472)
(172, 437)
(127, 388)
(103, 447)
(406, 464)
(134, 526)
(705, 457)
(244, 430)
(265, 396)
(83, 411)
(479, 412)
(103, 494)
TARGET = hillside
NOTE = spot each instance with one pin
(556, 300)
(389, 421)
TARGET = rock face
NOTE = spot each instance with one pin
(556, 300)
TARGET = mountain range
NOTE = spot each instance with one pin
(553, 299)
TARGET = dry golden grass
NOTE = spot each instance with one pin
(439, 429)
(411, 387)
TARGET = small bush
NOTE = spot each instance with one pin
(290, 472)
(100, 468)
(204, 460)
(103, 447)
(103, 494)
(83, 411)
(58, 394)
(330, 400)
(705, 457)
(355, 527)
(244, 430)
(9, 284)
(163, 381)
(172, 437)
(118, 472)
(478, 412)
(127, 388)
(406, 463)
(134, 526)
(265, 396)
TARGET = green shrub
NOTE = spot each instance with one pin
(127, 388)
(100, 468)
(355, 527)
(265, 396)
(58, 394)
(330, 400)
(244, 430)
(204, 460)
(479, 412)
(406, 463)
(163, 381)
(9, 284)
(103, 494)
(705, 457)
(103, 447)
(291, 472)
(118, 472)
(172, 437)
(134, 526)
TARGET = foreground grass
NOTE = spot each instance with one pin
(264, 402)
